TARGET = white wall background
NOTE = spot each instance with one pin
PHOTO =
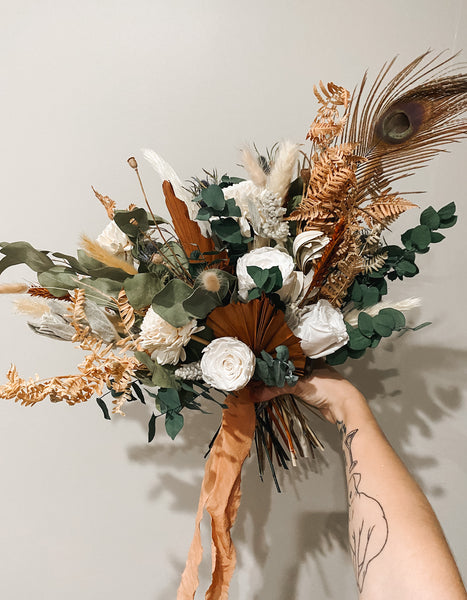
(88, 510)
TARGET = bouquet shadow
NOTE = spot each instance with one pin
(426, 391)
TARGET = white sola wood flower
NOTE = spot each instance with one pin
(227, 364)
(165, 342)
(321, 329)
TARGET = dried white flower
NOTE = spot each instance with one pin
(227, 364)
(116, 242)
(265, 258)
(321, 329)
(165, 342)
(307, 247)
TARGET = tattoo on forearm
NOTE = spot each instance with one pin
(368, 527)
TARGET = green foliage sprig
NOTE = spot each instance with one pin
(276, 371)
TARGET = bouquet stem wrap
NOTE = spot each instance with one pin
(220, 496)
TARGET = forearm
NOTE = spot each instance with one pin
(397, 545)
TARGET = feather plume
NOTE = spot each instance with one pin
(405, 121)
(13, 288)
(95, 250)
(282, 169)
(35, 306)
(167, 173)
(253, 168)
(403, 305)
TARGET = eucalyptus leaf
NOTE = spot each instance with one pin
(421, 237)
(163, 377)
(169, 399)
(201, 302)
(72, 261)
(132, 222)
(141, 289)
(168, 303)
(430, 218)
(58, 282)
(338, 357)
(365, 324)
(173, 423)
(101, 290)
(213, 196)
(23, 253)
(228, 230)
(447, 212)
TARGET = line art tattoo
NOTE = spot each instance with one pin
(368, 527)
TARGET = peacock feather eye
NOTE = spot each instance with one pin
(400, 122)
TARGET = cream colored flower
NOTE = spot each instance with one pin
(307, 247)
(321, 329)
(115, 241)
(265, 258)
(165, 342)
(227, 364)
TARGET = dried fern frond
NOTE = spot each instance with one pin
(96, 251)
(77, 306)
(43, 292)
(107, 203)
(327, 124)
(385, 209)
(126, 311)
(340, 279)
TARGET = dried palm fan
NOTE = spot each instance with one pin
(406, 121)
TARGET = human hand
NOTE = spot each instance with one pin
(325, 389)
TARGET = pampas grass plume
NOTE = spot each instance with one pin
(13, 288)
(283, 168)
(34, 306)
(95, 250)
(210, 280)
(253, 168)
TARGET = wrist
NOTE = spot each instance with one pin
(349, 406)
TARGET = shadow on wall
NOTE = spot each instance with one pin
(409, 387)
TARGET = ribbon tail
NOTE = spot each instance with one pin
(220, 495)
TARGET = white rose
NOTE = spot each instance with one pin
(164, 341)
(265, 258)
(227, 364)
(321, 329)
(116, 242)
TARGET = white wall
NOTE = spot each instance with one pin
(88, 510)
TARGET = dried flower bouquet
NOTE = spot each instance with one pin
(252, 278)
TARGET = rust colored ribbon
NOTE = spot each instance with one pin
(220, 496)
